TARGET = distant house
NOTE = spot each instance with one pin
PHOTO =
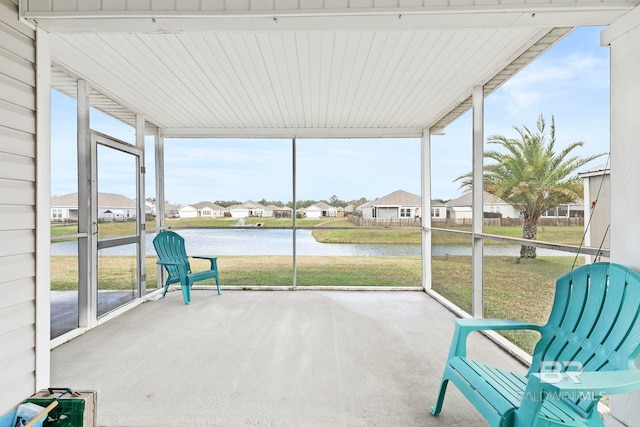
(64, 208)
(170, 210)
(321, 209)
(397, 205)
(201, 210)
(460, 209)
(111, 207)
(268, 210)
(208, 210)
(350, 209)
(438, 211)
(571, 210)
(248, 209)
(188, 211)
(278, 211)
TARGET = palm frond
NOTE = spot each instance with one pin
(528, 173)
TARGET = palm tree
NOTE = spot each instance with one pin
(530, 176)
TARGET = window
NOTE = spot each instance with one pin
(435, 213)
(56, 214)
(405, 213)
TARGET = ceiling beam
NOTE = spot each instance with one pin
(622, 26)
(536, 15)
(288, 133)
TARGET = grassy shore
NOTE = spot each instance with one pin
(560, 234)
(128, 228)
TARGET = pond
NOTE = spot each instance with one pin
(259, 241)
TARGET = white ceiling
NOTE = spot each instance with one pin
(324, 81)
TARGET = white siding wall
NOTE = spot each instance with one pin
(188, 212)
(239, 213)
(388, 213)
(17, 208)
(313, 213)
(625, 174)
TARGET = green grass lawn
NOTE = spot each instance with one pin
(522, 291)
(118, 272)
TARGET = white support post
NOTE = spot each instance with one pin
(43, 206)
(160, 196)
(586, 206)
(623, 37)
(294, 279)
(141, 199)
(87, 216)
(159, 165)
(477, 304)
(425, 158)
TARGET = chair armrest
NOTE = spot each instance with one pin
(494, 324)
(591, 383)
(168, 262)
(212, 260)
(464, 327)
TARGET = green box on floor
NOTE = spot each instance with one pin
(75, 408)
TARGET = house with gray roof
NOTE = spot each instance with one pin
(460, 209)
(201, 210)
(278, 211)
(111, 207)
(170, 210)
(321, 209)
(247, 209)
(188, 211)
(397, 205)
(209, 210)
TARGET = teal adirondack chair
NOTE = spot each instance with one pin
(587, 349)
(173, 256)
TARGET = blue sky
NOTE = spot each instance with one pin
(570, 81)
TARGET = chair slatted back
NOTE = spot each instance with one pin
(595, 320)
(170, 247)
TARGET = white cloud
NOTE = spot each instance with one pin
(546, 79)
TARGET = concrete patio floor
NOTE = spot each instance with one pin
(287, 358)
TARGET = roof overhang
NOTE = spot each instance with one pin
(277, 70)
